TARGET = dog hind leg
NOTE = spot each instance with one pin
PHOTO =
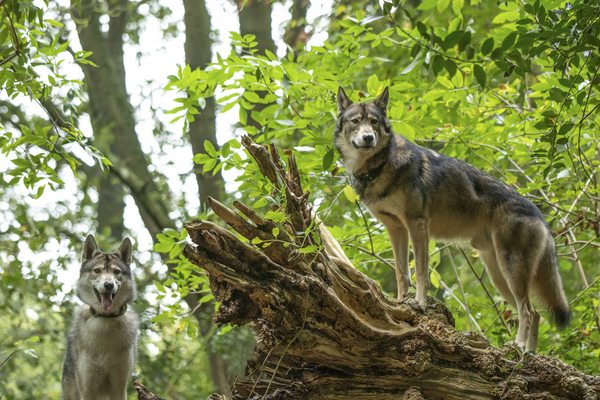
(491, 265)
(517, 264)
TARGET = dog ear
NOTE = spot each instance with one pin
(124, 251)
(382, 100)
(90, 249)
(343, 101)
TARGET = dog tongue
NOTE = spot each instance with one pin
(106, 301)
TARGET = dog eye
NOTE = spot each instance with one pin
(97, 270)
(355, 121)
(117, 272)
(374, 121)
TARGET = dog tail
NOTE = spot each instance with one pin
(550, 288)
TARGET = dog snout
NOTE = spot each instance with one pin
(368, 138)
(109, 286)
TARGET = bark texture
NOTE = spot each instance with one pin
(327, 331)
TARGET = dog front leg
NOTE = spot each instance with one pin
(87, 380)
(399, 240)
(419, 237)
(118, 390)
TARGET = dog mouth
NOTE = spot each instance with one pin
(366, 147)
(106, 300)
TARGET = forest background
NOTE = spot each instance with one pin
(120, 118)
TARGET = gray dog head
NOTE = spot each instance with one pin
(105, 281)
(362, 129)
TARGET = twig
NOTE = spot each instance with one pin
(449, 290)
(366, 225)
(585, 244)
(262, 366)
(485, 288)
(581, 123)
(8, 59)
(460, 287)
(584, 290)
(570, 238)
(383, 260)
(8, 358)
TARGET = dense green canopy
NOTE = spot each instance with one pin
(509, 87)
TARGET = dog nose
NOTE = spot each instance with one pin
(368, 139)
(109, 285)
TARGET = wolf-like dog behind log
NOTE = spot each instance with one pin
(102, 340)
(418, 193)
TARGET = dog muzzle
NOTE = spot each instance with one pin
(106, 300)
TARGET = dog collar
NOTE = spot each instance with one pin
(95, 314)
(370, 174)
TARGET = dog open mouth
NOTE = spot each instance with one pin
(366, 147)
(106, 300)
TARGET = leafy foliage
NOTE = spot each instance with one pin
(31, 54)
(515, 97)
(509, 87)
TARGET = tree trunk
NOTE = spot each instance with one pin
(113, 122)
(295, 35)
(255, 19)
(110, 191)
(198, 54)
(327, 330)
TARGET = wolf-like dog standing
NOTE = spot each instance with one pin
(102, 340)
(419, 193)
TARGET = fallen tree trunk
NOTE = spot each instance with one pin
(327, 330)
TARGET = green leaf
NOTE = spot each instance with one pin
(435, 278)
(373, 85)
(509, 40)
(350, 193)
(225, 329)
(40, 191)
(565, 128)
(160, 287)
(411, 66)
(210, 149)
(308, 249)
(506, 16)
(191, 330)
(427, 5)
(437, 64)
(487, 46)
(450, 67)
(480, 75)
(442, 5)
(328, 160)
(162, 247)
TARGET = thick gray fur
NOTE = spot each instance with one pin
(418, 194)
(102, 344)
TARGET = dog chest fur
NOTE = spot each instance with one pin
(106, 339)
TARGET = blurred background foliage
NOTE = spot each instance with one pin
(120, 117)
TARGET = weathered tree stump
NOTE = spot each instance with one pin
(327, 330)
(143, 393)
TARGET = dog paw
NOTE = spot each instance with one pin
(415, 304)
